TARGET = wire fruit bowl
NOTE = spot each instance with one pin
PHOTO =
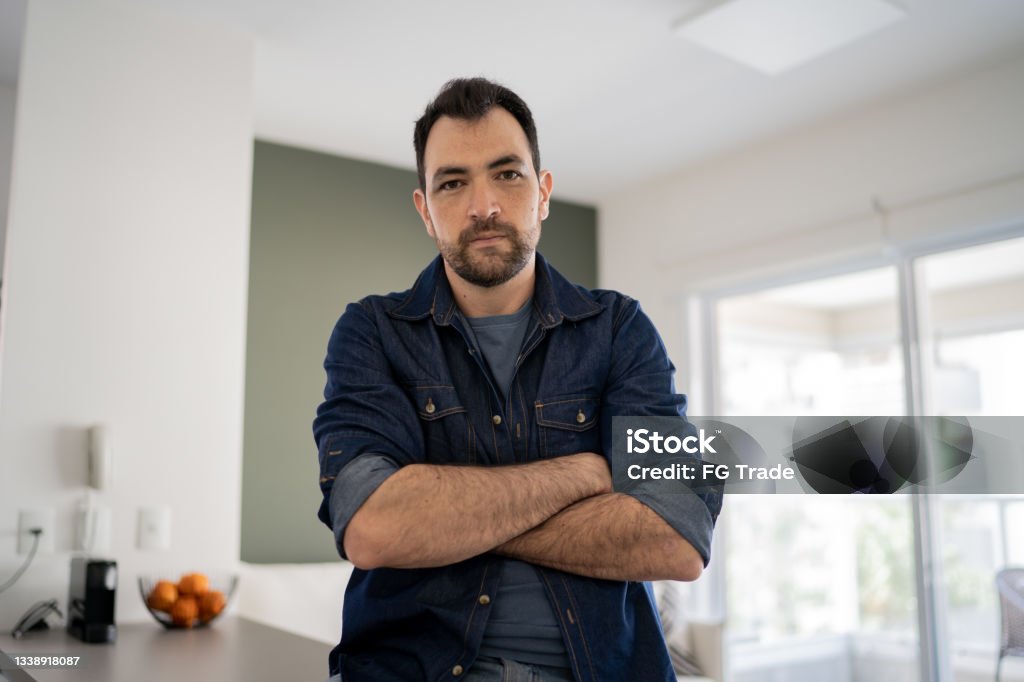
(192, 601)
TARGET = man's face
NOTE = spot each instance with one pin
(483, 202)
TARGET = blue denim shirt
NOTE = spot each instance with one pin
(404, 385)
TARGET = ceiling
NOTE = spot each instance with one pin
(617, 95)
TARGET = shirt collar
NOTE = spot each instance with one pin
(554, 297)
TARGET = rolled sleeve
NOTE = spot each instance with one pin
(687, 513)
(642, 385)
(365, 415)
(354, 483)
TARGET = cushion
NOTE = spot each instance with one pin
(669, 598)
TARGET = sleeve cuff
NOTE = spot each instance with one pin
(687, 514)
(355, 482)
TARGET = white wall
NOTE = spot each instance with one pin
(947, 159)
(126, 286)
(8, 97)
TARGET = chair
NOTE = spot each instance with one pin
(1010, 584)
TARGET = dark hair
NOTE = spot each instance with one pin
(470, 99)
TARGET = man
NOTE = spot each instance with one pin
(465, 434)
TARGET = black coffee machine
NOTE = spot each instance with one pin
(91, 600)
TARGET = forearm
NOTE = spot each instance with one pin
(611, 536)
(434, 515)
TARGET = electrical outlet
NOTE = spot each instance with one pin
(35, 518)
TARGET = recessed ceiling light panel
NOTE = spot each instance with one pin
(773, 36)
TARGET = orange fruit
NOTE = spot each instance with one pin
(210, 604)
(162, 596)
(193, 583)
(184, 611)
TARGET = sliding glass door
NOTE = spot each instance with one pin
(872, 588)
(972, 333)
(818, 587)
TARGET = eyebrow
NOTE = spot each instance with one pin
(506, 160)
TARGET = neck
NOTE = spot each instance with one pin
(504, 299)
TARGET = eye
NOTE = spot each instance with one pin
(509, 175)
(449, 185)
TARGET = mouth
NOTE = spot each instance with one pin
(488, 240)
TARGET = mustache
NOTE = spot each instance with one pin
(489, 227)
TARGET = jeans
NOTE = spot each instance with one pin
(502, 670)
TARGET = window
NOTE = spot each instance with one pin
(824, 580)
(973, 334)
(821, 348)
(973, 329)
(829, 587)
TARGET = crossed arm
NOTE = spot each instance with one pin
(559, 513)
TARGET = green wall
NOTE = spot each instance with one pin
(328, 230)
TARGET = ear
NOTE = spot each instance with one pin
(546, 183)
(420, 200)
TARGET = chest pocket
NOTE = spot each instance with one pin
(566, 425)
(447, 434)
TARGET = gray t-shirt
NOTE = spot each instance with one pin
(521, 626)
(500, 338)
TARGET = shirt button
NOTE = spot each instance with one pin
(457, 670)
(484, 600)
(429, 407)
(580, 417)
(496, 419)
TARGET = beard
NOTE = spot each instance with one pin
(494, 265)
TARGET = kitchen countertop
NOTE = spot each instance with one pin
(230, 649)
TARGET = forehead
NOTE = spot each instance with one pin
(458, 142)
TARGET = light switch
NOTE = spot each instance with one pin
(154, 528)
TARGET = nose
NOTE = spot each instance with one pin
(483, 202)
